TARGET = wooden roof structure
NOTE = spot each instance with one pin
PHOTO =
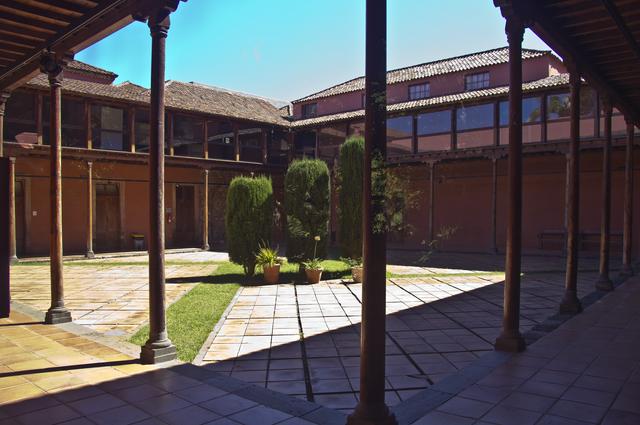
(28, 27)
(600, 39)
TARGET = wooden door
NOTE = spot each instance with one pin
(185, 216)
(107, 227)
(20, 219)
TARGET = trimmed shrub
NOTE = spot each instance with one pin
(350, 210)
(248, 219)
(306, 200)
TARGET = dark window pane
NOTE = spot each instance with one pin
(250, 144)
(329, 141)
(142, 130)
(531, 111)
(399, 136)
(558, 106)
(220, 140)
(107, 127)
(472, 117)
(73, 131)
(19, 120)
(187, 136)
(476, 81)
(419, 91)
(278, 147)
(434, 122)
(309, 110)
(305, 144)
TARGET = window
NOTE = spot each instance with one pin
(19, 120)
(476, 81)
(531, 111)
(329, 140)
(250, 144)
(142, 130)
(558, 106)
(73, 125)
(399, 136)
(305, 144)
(220, 140)
(107, 127)
(278, 147)
(434, 123)
(187, 136)
(419, 91)
(474, 117)
(309, 110)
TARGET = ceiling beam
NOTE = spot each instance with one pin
(622, 26)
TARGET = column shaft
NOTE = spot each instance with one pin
(570, 302)
(604, 282)
(90, 253)
(13, 255)
(628, 203)
(510, 339)
(494, 205)
(371, 408)
(205, 211)
(158, 348)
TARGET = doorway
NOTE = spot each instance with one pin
(185, 235)
(107, 222)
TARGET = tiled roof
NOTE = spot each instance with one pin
(210, 100)
(559, 80)
(184, 96)
(429, 69)
(85, 67)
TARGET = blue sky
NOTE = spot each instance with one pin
(286, 49)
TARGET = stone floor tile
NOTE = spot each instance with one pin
(266, 416)
(579, 411)
(228, 404)
(506, 415)
(124, 415)
(191, 415)
(442, 418)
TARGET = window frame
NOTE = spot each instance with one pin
(418, 86)
(477, 74)
(305, 110)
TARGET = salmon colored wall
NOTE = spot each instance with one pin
(533, 69)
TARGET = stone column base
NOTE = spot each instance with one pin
(367, 415)
(510, 343)
(604, 284)
(570, 303)
(57, 315)
(152, 354)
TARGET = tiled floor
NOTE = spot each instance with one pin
(106, 295)
(51, 376)
(304, 340)
(585, 372)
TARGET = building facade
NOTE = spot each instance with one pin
(447, 136)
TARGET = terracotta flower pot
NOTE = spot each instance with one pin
(356, 273)
(271, 274)
(313, 275)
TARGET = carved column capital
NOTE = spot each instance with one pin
(156, 14)
(53, 65)
(4, 96)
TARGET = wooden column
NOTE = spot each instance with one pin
(13, 257)
(570, 302)
(205, 139)
(132, 128)
(5, 290)
(4, 96)
(205, 211)
(371, 408)
(87, 125)
(90, 253)
(432, 195)
(604, 282)
(627, 233)
(494, 205)
(53, 67)
(236, 142)
(265, 152)
(158, 347)
(510, 339)
(39, 118)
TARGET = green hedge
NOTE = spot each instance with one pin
(248, 219)
(307, 202)
(350, 210)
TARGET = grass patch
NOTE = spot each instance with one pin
(190, 320)
(462, 274)
(109, 263)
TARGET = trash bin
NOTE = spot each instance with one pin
(138, 241)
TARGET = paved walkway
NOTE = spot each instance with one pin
(304, 340)
(110, 296)
(585, 372)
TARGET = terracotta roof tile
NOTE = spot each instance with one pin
(429, 69)
(85, 67)
(559, 80)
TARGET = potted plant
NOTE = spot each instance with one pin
(313, 267)
(356, 268)
(268, 259)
